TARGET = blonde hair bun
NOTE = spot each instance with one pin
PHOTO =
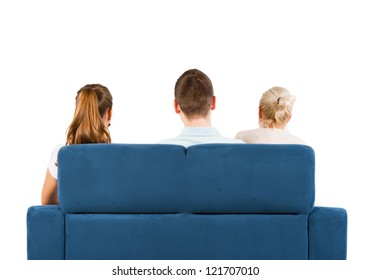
(276, 106)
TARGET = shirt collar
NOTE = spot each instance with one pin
(200, 131)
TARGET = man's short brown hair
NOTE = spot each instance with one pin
(194, 93)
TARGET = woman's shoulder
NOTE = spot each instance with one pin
(246, 135)
(52, 165)
(57, 148)
(295, 139)
(249, 131)
(55, 151)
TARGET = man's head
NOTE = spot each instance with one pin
(194, 94)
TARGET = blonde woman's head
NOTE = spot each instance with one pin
(275, 108)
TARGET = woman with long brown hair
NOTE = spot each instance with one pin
(90, 124)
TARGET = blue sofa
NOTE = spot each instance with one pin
(166, 202)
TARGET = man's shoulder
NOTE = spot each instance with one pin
(228, 140)
(174, 141)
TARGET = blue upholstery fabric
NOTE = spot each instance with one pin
(211, 178)
(114, 178)
(125, 236)
(210, 201)
(45, 233)
(250, 178)
(246, 237)
(328, 234)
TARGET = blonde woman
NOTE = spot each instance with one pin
(275, 109)
(90, 124)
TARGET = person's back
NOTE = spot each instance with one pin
(268, 136)
(199, 135)
(275, 110)
(194, 101)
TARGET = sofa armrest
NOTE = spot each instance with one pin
(327, 234)
(45, 233)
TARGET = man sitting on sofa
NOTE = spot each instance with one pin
(194, 100)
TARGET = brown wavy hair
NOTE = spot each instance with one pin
(92, 102)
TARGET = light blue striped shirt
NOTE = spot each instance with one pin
(199, 135)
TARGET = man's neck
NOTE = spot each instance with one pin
(197, 122)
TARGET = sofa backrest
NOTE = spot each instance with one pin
(208, 178)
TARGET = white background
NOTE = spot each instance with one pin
(319, 50)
